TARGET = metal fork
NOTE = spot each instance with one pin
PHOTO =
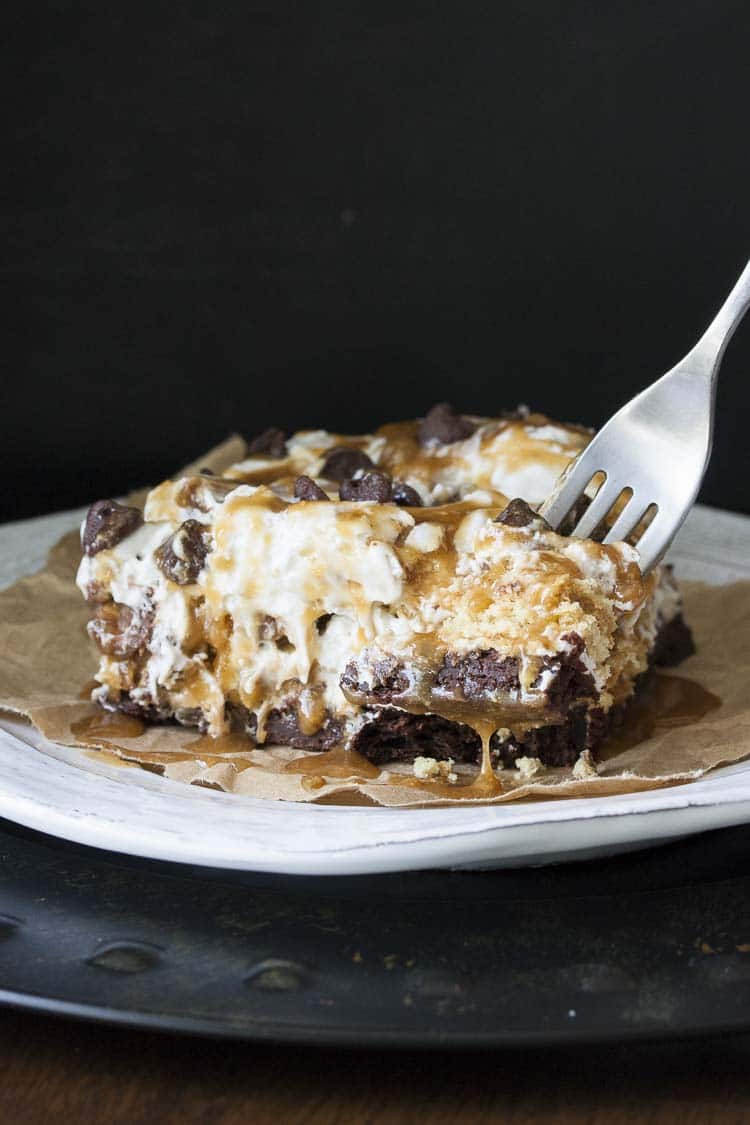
(657, 446)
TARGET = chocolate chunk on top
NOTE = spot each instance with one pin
(181, 557)
(518, 414)
(519, 514)
(305, 488)
(342, 462)
(404, 495)
(369, 486)
(107, 524)
(272, 442)
(444, 425)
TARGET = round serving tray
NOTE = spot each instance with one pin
(648, 944)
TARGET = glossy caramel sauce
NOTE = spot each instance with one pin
(86, 690)
(269, 474)
(350, 798)
(193, 491)
(233, 743)
(483, 786)
(107, 726)
(403, 452)
(227, 749)
(313, 782)
(338, 763)
(669, 702)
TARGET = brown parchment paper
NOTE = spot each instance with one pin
(47, 660)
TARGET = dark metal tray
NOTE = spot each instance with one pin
(653, 943)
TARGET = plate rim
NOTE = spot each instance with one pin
(419, 843)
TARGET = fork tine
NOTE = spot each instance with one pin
(598, 508)
(567, 491)
(627, 520)
(654, 541)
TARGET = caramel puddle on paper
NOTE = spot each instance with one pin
(338, 763)
(107, 726)
(222, 750)
(668, 701)
(105, 730)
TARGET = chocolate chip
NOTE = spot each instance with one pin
(445, 425)
(107, 524)
(271, 442)
(305, 488)
(404, 495)
(342, 462)
(181, 557)
(518, 514)
(377, 684)
(370, 486)
(206, 472)
(119, 631)
(519, 414)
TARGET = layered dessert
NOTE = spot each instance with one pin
(396, 594)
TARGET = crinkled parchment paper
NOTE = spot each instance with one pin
(47, 660)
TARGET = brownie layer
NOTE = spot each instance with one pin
(390, 735)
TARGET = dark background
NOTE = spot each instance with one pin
(223, 217)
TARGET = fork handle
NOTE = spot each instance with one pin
(708, 352)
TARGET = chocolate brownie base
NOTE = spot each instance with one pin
(282, 729)
(390, 735)
(396, 736)
(560, 744)
(393, 735)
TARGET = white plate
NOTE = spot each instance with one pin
(137, 813)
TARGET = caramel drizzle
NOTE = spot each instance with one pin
(670, 702)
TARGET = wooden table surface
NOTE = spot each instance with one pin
(60, 1070)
